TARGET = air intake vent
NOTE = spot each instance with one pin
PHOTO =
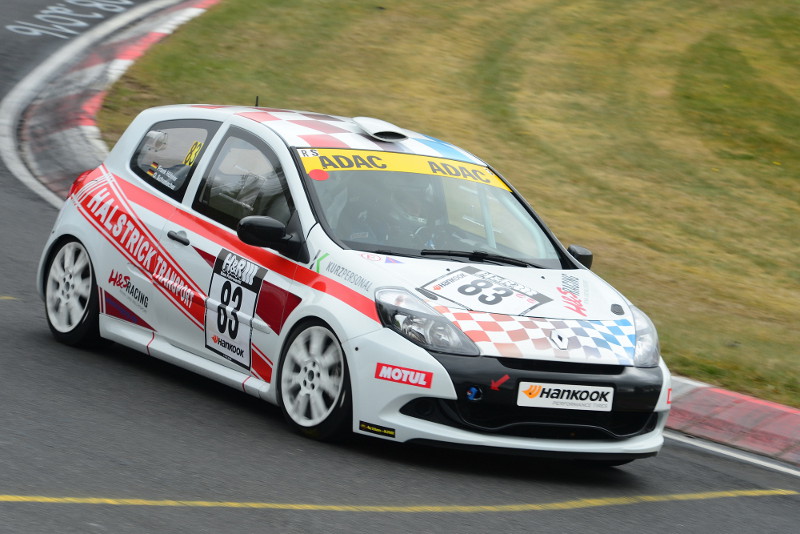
(380, 130)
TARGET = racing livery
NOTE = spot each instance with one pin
(363, 277)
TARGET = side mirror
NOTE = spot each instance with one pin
(261, 231)
(583, 255)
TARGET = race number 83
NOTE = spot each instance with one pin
(229, 321)
(477, 286)
(232, 297)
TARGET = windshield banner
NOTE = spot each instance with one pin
(318, 162)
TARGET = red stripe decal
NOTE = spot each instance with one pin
(106, 208)
(274, 305)
(265, 257)
(261, 366)
(115, 308)
(150, 343)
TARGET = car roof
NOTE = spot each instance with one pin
(304, 129)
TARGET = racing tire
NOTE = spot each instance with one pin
(313, 384)
(70, 294)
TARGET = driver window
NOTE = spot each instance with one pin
(244, 178)
(167, 155)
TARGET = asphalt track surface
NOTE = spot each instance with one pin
(112, 441)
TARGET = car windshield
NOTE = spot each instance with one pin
(408, 204)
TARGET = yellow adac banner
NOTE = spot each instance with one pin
(316, 160)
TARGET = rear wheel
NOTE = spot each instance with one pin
(71, 295)
(313, 384)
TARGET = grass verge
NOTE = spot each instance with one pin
(665, 136)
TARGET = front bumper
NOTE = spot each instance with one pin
(443, 412)
(487, 390)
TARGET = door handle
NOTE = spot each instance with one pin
(180, 237)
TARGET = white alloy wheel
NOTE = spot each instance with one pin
(70, 295)
(313, 382)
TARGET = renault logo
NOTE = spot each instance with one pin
(559, 341)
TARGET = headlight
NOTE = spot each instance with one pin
(410, 317)
(647, 349)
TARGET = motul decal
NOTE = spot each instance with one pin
(103, 204)
(402, 375)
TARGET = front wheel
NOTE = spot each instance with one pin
(71, 295)
(313, 384)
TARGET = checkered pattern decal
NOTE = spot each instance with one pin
(302, 129)
(609, 342)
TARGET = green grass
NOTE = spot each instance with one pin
(664, 136)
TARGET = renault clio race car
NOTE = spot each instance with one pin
(363, 277)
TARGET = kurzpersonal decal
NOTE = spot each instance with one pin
(351, 277)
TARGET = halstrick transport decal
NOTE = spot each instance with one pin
(104, 205)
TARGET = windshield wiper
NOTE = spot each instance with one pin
(479, 256)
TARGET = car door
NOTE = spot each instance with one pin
(246, 299)
(139, 287)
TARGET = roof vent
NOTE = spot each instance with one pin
(380, 130)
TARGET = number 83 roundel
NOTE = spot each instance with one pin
(233, 295)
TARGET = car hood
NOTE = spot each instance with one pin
(484, 287)
(506, 310)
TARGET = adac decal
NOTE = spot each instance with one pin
(318, 161)
(376, 429)
(103, 204)
(232, 296)
(403, 375)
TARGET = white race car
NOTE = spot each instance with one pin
(363, 277)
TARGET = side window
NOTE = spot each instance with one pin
(244, 178)
(166, 156)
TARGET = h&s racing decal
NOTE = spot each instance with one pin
(571, 294)
(233, 294)
(122, 281)
(481, 290)
(103, 204)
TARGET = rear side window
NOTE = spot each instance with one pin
(167, 155)
(244, 178)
